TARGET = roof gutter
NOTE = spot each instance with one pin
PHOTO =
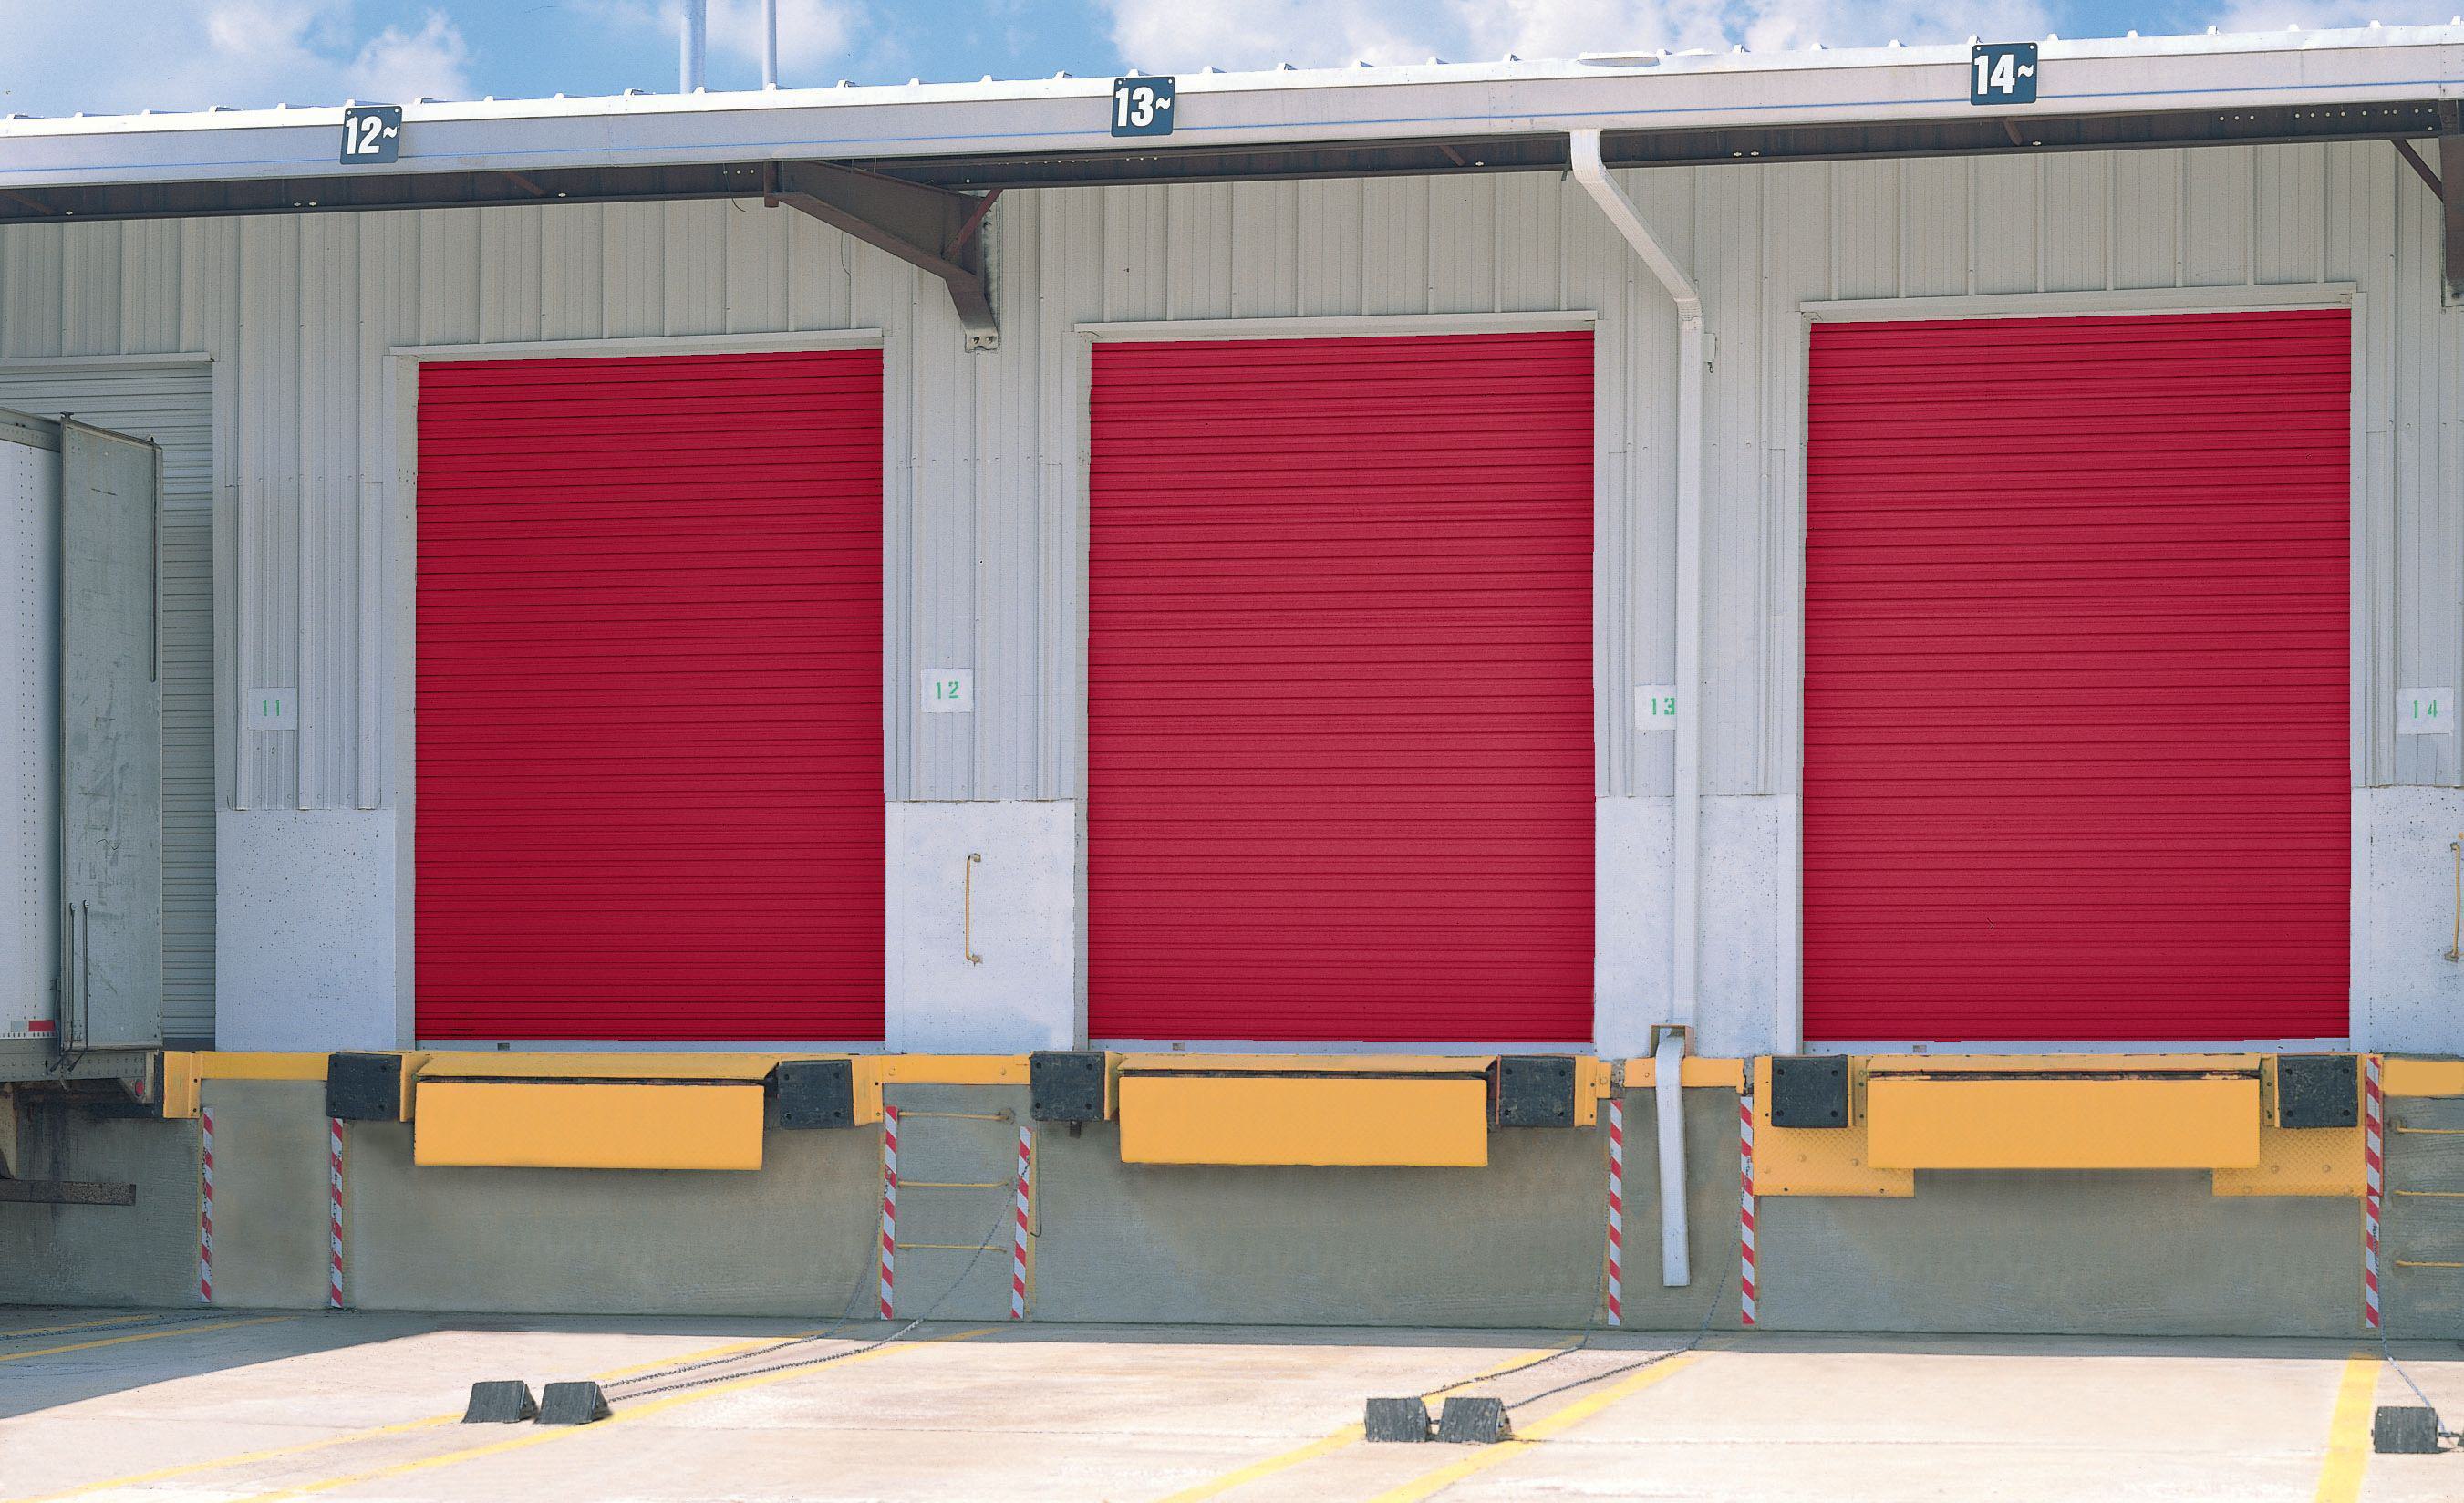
(1059, 118)
(1686, 801)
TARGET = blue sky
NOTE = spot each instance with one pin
(188, 54)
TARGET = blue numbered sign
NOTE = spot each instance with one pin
(371, 133)
(2002, 73)
(1142, 106)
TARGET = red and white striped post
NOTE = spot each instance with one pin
(1617, 1212)
(889, 1203)
(1018, 1236)
(334, 1212)
(1746, 1269)
(205, 1206)
(2373, 1183)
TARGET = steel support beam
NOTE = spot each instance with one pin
(2451, 173)
(931, 228)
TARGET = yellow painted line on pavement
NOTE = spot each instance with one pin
(1556, 1421)
(273, 1453)
(624, 1416)
(79, 1325)
(2349, 1433)
(1216, 1487)
(431, 1421)
(710, 1354)
(1219, 1486)
(198, 1329)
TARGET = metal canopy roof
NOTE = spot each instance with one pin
(891, 165)
(1697, 106)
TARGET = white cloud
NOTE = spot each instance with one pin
(1253, 33)
(433, 61)
(1167, 35)
(191, 53)
(811, 33)
(2275, 15)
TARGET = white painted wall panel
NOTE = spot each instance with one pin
(984, 465)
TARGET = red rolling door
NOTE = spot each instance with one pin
(1339, 705)
(2076, 678)
(649, 776)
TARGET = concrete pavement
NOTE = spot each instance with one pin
(185, 1408)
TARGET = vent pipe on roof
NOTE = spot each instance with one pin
(769, 44)
(694, 42)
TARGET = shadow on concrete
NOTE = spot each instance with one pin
(55, 1357)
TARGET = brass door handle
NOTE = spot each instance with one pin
(967, 912)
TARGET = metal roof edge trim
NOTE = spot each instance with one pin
(1056, 115)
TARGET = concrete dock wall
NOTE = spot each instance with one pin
(1517, 1242)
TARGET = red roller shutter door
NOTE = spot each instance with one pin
(2076, 678)
(649, 777)
(1339, 704)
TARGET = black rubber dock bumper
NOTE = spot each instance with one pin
(572, 1403)
(1473, 1422)
(1393, 1420)
(2404, 1432)
(504, 1401)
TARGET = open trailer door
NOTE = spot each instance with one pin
(111, 743)
(80, 744)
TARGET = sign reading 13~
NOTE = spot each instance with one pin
(1142, 106)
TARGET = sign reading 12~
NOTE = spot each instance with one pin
(1142, 106)
(371, 133)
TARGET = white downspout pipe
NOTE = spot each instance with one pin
(1686, 802)
(769, 44)
(693, 45)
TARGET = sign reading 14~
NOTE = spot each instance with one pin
(2002, 73)
(1142, 106)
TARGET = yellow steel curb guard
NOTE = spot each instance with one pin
(639, 1412)
(1560, 1420)
(1422, 1121)
(1326, 1444)
(678, 1124)
(1944, 1121)
(2349, 1433)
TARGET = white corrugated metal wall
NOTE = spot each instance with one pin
(985, 449)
